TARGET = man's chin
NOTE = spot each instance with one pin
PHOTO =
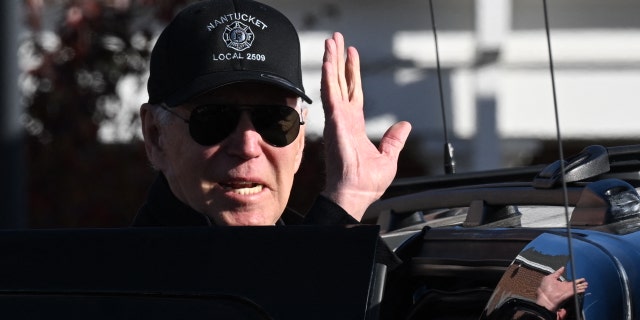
(244, 219)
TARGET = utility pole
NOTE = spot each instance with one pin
(12, 163)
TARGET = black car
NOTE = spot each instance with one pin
(476, 246)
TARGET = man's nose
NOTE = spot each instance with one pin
(245, 141)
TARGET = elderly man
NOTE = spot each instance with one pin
(224, 124)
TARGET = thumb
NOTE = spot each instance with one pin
(558, 273)
(394, 139)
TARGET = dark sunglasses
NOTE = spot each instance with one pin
(278, 125)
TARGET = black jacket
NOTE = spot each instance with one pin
(163, 209)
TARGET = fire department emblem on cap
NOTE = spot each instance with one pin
(238, 36)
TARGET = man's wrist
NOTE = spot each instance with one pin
(355, 203)
(325, 211)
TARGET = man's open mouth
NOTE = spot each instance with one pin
(242, 188)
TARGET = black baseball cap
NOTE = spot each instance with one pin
(213, 43)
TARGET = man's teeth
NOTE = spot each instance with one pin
(244, 188)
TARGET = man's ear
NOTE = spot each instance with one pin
(151, 135)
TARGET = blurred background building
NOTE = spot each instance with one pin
(495, 71)
(71, 151)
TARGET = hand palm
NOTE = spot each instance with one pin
(358, 172)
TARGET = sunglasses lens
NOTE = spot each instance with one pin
(277, 125)
(210, 125)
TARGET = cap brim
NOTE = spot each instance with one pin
(216, 80)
